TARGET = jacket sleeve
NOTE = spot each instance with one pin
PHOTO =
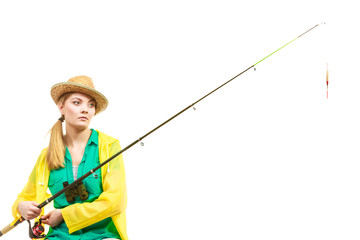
(32, 190)
(112, 200)
(27, 194)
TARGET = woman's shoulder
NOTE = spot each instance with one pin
(106, 139)
(43, 153)
(42, 157)
(107, 145)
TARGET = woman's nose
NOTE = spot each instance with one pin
(85, 109)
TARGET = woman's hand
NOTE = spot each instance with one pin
(29, 209)
(53, 218)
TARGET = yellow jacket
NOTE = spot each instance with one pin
(111, 203)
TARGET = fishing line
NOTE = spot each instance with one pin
(79, 180)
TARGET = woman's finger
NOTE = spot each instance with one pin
(46, 216)
(45, 221)
(35, 210)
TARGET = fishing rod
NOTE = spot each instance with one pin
(37, 230)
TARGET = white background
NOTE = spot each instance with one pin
(266, 157)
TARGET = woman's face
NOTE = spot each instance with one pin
(78, 110)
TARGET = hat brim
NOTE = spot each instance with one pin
(60, 89)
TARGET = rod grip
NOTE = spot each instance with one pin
(6, 229)
(10, 227)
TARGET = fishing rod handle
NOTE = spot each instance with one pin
(9, 227)
(6, 229)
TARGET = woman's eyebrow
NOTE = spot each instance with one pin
(77, 98)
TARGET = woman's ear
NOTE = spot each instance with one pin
(61, 108)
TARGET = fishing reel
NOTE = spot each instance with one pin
(37, 231)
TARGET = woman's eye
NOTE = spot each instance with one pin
(76, 102)
(91, 104)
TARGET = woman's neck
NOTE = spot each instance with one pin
(75, 137)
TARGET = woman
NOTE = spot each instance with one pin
(96, 208)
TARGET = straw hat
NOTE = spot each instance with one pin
(82, 84)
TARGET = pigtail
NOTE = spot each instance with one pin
(56, 149)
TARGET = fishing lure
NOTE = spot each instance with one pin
(327, 81)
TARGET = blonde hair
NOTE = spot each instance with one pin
(56, 149)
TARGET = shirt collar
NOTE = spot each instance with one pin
(93, 138)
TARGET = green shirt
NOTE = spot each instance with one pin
(93, 184)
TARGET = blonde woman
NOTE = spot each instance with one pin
(96, 208)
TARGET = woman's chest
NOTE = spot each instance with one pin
(76, 155)
(60, 177)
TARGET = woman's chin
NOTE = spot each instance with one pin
(80, 125)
